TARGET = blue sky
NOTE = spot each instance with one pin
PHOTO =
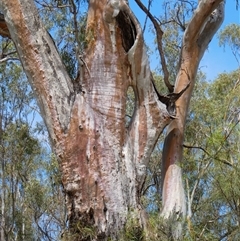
(216, 59)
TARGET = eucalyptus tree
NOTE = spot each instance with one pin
(27, 198)
(229, 36)
(212, 170)
(103, 162)
(213, 152)
(12, 90)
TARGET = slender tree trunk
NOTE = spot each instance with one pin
(196, 39)
(2, 220)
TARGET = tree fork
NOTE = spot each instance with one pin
(103, 164)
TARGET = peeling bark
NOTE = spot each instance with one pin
(103, 164)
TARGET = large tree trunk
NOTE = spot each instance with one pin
(103, 163)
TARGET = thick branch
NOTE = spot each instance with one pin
(201, 16)
(150, 113)
(41, 63)
(212, 25)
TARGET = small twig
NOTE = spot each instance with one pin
(51, 6)
(145, 23)
(79, 55)
(146, 189)
(8, 58)
(83, 61)
(189, 204)
(9, 53)
(179, 22)
(212, 156)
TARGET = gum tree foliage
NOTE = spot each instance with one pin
(104, 160)
(32, 206)
(230, 36)
(213, 196)
(212, 170)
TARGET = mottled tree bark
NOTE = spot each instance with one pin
(103, 163)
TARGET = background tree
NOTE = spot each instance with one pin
(211, 172)
(104, 164)
(230, 36)
(32, 206)
(214, 116)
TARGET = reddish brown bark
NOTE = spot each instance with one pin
(103, 163)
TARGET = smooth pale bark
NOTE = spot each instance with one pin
(203, 25)
(103, 163)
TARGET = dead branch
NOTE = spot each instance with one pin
(159, 34)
